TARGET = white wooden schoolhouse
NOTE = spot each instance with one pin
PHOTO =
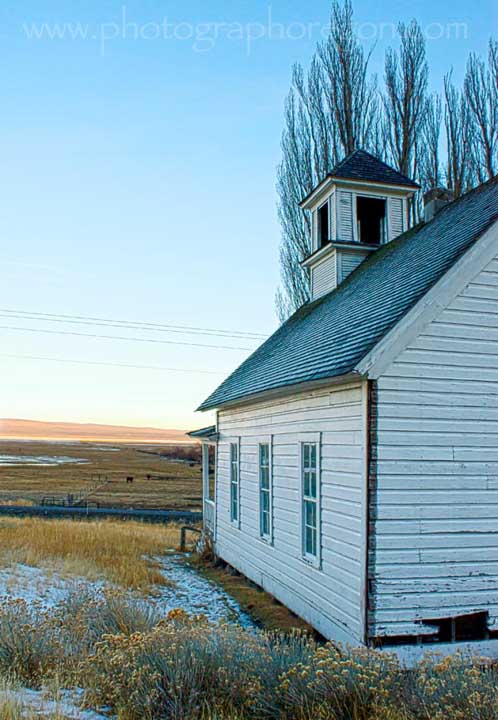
(356, 451)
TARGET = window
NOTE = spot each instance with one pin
(234, 482)
(323, 225)
(371, 219)
(310, 483)
(211, 472)
(265, 491)
(208, 471)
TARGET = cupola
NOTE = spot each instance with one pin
(361, 204)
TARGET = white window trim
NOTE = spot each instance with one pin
(374, 196)
(234, 521)
(266, 441)
(205, 470)
(314, 230)
(314, 438)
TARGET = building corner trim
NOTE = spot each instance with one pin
(371, 503)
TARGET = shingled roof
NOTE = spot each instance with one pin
(328, 337)
(360, 165)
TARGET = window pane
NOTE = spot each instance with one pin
(313, 456)
(310, 513)
(306, 456)
(312, 483)
(306, 484)
(309, 541)
(265, 501)
(265, 523)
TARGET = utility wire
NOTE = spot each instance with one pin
(130, 323)
(119, 325)
(119, 337)
(109, 364)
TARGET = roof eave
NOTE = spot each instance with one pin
(275, 393)
(208, 433)
(315, 195)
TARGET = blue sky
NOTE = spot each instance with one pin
(139, 145)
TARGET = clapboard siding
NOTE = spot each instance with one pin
(436, 514)
(396, 212)
(345, 216)
(330, 598)
(347, 261)
(324, 276)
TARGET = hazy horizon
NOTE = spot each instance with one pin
(17, 429)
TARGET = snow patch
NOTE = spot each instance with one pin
(188, 590)
(197, 595)
(40, 586)
(36, 702)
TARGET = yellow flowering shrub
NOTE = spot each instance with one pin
(143, 666)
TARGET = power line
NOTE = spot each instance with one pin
(119, 337)
(117, 325)
(109, 364)
(160, 327)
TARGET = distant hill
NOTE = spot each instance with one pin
(39, 430)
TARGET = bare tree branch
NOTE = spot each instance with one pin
(459, 161)
(406, 76)
(330, 111)
(428, 152)
(481, 93)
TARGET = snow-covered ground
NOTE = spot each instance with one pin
(188, 590)
(197, 595)
(44, 587)
(37, 702)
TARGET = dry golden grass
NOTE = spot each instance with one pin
(119, 551)
(16, 502)
(172, 485)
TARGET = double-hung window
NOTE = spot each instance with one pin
(310, 489)
(234, 483)
(265, 491)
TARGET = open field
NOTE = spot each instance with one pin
(170, 485)
(118, 551)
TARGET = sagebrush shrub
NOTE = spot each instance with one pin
(30, 646)
(146, 667)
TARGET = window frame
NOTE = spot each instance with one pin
(235, 520)
(311, 439)
(384, 234)
(211, 478)
(266, 537)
